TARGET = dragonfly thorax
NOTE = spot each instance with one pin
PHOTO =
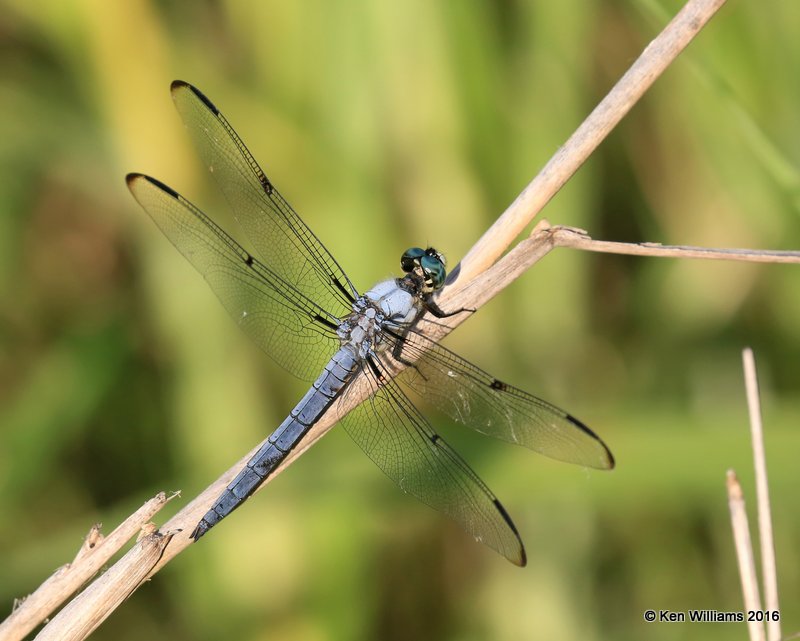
(361, 331)
(386, 303)
(397, 303)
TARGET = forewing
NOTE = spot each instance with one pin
(393, 433)
(293, 330)
(280, 238)
(476, 399)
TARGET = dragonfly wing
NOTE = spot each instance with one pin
(293, 330)
(478, 400)
(280, 238)
(394, 434)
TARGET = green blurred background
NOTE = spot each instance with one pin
(388, 125)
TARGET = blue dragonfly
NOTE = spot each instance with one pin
(295, 301)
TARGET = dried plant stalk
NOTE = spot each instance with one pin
(766, 542)
(744, 555)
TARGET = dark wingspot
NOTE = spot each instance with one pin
(505, 516)
(168, 190)
(522, 560)
(375, 370)
(610, 462)
(203, 98)
(324, 321)
(344, 290)
(499, 385)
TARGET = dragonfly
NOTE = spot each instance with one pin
(294, 300)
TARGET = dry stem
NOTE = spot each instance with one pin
(744, 555)
(95, 552)
(768, 567)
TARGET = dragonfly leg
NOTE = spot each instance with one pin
(438, 312)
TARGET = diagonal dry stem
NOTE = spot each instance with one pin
(95, 552)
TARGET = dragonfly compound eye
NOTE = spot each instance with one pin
(433, 270)
(410, 259)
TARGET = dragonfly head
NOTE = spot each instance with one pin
(426, 266)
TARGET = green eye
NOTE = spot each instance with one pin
(410, 258)
(430, 261)
(433, 268)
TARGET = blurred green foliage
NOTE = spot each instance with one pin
(388, 125)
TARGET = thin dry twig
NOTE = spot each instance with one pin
(81, 616)
(478, 278)
(744, 555)
(767, 544)
(95, 552)
(579, 239)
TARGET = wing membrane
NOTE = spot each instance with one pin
(393, 433)
(280, 238)
(294, 331)
(476, 399)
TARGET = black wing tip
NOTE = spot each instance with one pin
(180, 85)
(134, 178)
(609, 463)
(522, 559)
